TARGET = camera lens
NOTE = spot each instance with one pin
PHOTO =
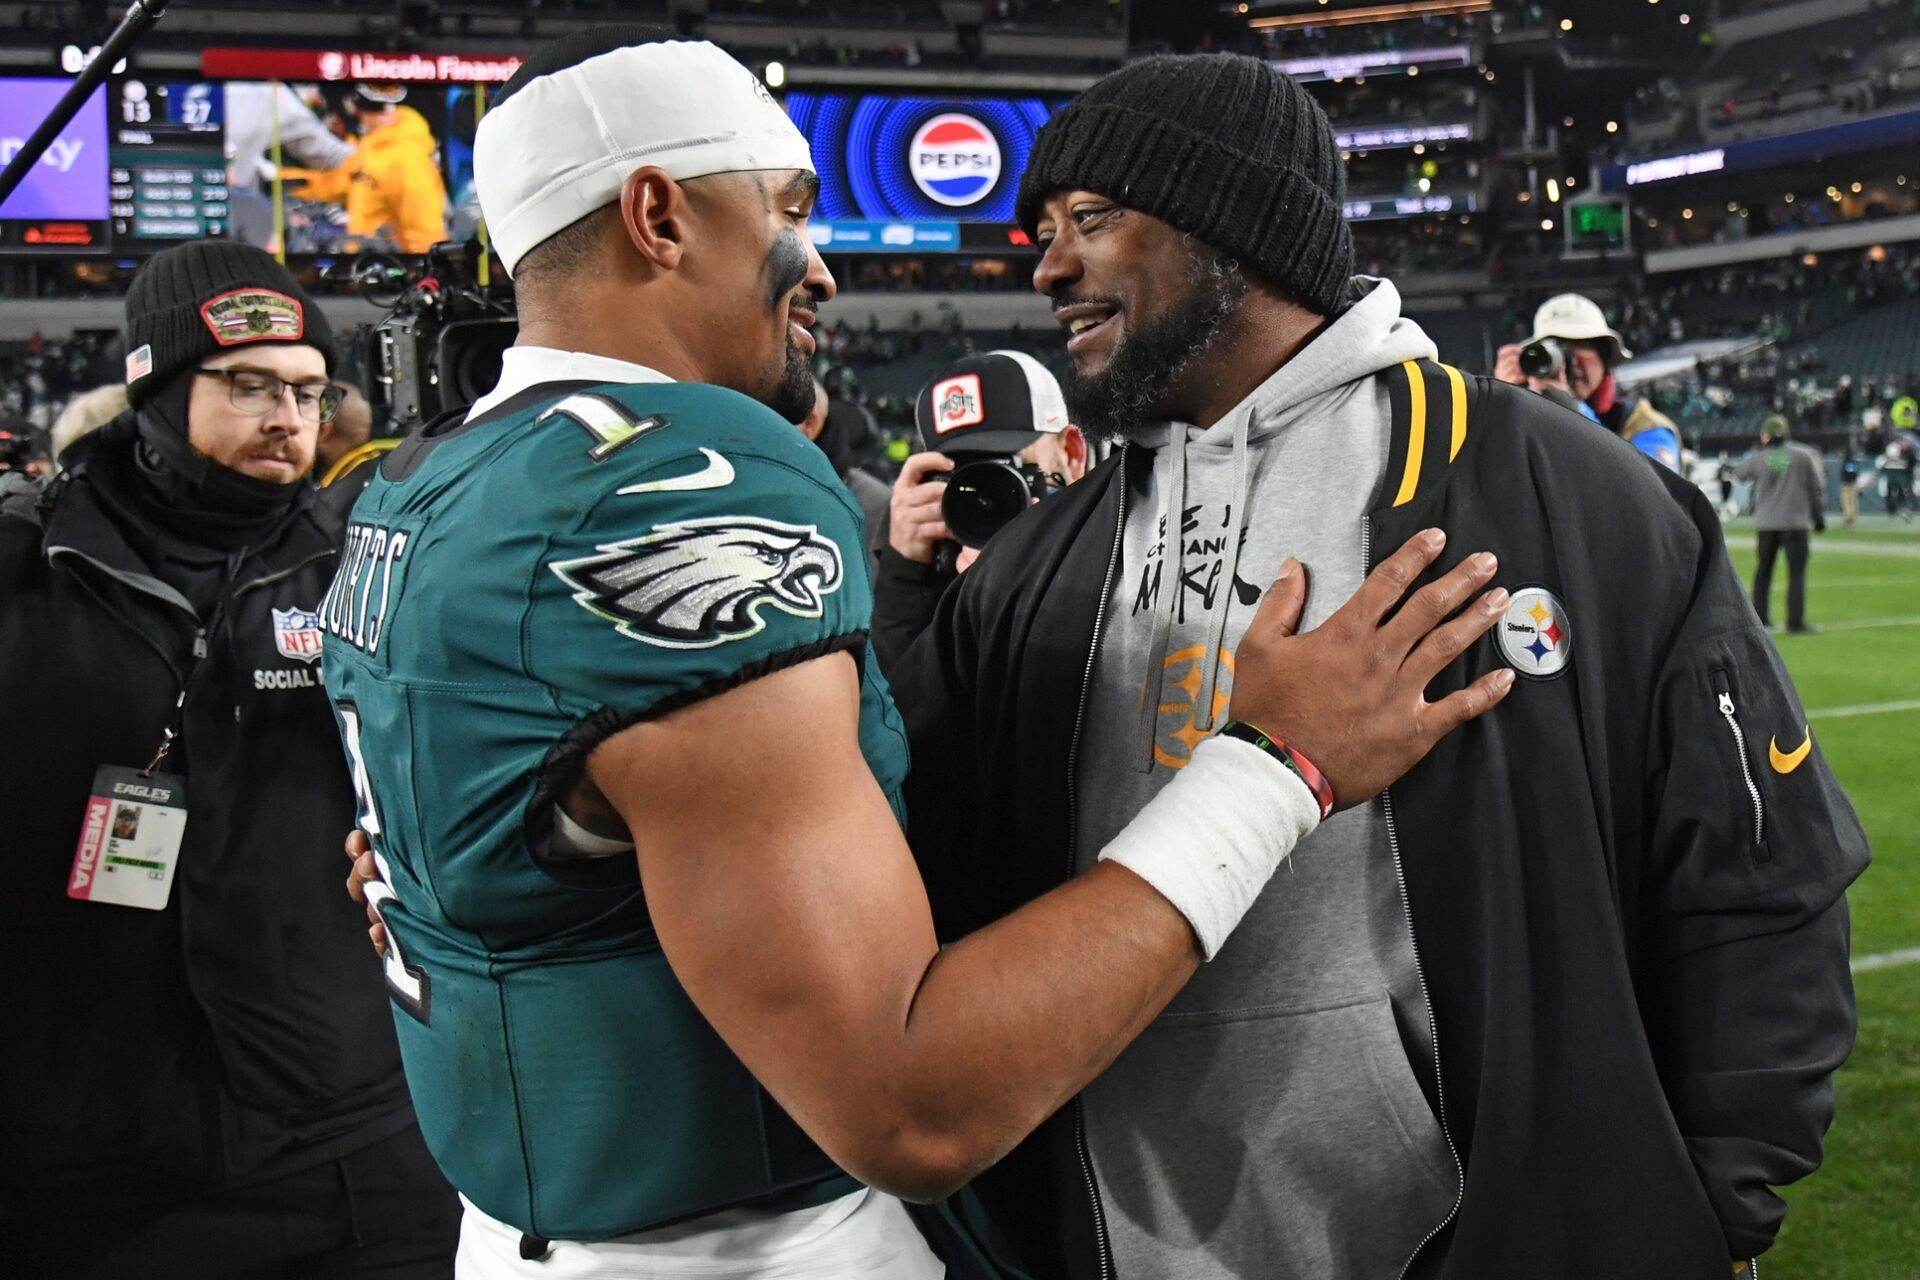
(981, 497)
(1539, 360)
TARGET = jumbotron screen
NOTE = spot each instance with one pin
(894, 158)
(62, 203)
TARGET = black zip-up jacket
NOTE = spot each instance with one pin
(1626, 884)
(242, 1032)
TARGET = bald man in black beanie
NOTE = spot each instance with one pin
(1521, 1016)
(201, 1077)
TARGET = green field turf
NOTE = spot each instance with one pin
(1858, 1218)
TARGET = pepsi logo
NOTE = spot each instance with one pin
(954, 159)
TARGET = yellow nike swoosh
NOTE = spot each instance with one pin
(1788, 761)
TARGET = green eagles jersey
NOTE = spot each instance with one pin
(514, 590)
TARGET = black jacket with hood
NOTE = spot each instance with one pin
(243, 1032)
(1629, 916)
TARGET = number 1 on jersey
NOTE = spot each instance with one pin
(406, 983)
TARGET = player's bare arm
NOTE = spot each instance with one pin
(789, 905)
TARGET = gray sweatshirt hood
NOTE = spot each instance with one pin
(1369, 337)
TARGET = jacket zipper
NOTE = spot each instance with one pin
(202, 630)
(1723, 687)
(1080, 1147)
(1419, 972)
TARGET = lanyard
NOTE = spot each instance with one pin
(177, 724)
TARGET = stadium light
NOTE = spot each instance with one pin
(1613, 126)
(1553, 191)
(1566, 24)
(1685, 19)
(1789, 197)
(776, 74)
(1856, 188)
(1546, 224)
(1686, 213)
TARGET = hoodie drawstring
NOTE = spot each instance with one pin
(1172, 540)
(1229, 571)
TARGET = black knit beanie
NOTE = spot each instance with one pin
(197, 299)
(1221, 146)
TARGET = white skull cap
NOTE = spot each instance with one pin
(560, 143)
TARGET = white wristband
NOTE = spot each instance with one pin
(1214, 835)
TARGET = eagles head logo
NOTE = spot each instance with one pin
(700, 583)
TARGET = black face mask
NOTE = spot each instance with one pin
(196, 498)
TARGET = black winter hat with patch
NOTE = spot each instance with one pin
(1221, 146)
(196, 300)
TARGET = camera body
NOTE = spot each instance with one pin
(16, 450)
(985, 493)
(1544, 358)
(440, 345)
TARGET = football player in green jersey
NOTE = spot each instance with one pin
(664, 972)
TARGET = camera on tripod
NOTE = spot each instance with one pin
(440, 345)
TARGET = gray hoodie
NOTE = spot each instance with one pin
(1270, 1122)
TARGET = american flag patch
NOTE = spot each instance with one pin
(140, 362)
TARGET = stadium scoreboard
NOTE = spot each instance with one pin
(168, 167)
(1597, 225)
(142, 165)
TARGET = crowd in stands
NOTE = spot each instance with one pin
(1841, 67)
(1839, 336)
(39, 376)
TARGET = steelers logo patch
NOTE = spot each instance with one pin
(1535, 635)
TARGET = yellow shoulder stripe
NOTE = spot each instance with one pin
(1458, 386)
(1417, 424)
(1416, 433)
(355, 456)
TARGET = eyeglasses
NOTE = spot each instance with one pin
(259, 393)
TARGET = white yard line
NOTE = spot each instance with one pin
(1887, 960)
(1901, 550)
(1865, 709)
(1869, 624)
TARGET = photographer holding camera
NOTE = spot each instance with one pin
(995, 440)
(1541, 365)
(1574, 350)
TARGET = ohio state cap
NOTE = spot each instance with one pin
(997, 402)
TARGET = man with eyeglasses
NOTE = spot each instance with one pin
(201, 1076)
